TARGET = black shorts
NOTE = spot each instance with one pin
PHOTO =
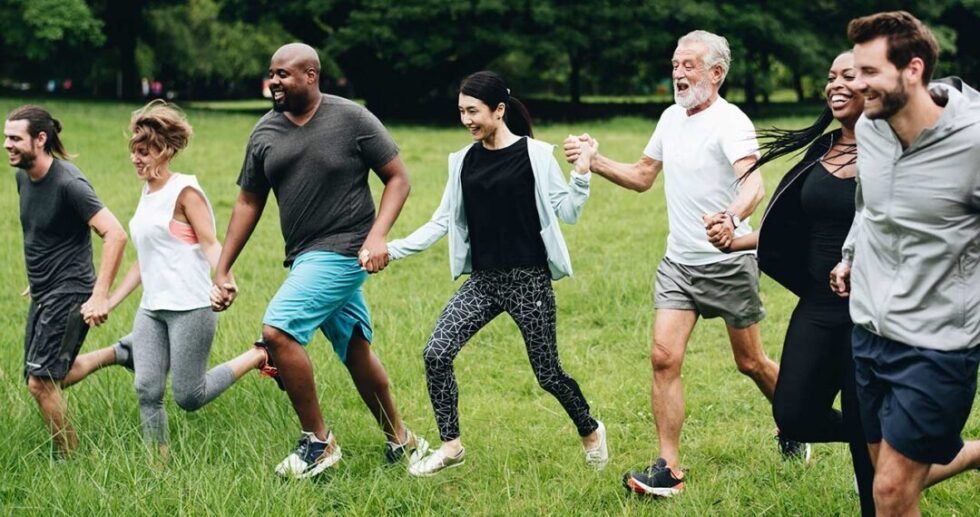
(917, 399)
(55, 332)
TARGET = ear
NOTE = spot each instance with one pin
(914, 70)
(716, 75)
(40, 140)
(311, 76)
(501, 110)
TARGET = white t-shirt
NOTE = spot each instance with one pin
(698, 153)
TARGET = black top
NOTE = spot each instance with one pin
(828, 207)
(54, 213)
(498, 199)
(319, 173)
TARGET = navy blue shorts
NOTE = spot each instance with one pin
(916, 399)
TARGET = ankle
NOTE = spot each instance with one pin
(452, 448)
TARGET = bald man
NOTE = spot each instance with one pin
(314, 151)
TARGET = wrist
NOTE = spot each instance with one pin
(734, 218)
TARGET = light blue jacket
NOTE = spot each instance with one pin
(554, 198)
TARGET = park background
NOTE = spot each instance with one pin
(601, 67)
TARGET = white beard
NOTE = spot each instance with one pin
(697, 94)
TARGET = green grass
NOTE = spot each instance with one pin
(524, 457)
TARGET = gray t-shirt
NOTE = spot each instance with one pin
(54, 213)
(319, 173)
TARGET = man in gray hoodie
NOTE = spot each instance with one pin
(915, 253)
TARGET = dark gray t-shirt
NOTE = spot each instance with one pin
(319, 173)
(54, 213)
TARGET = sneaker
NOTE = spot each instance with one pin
(656, 480)
(794, 450)
(598, 456)
(266, 368)
(310, 458)
(435, 462)
(414, 448)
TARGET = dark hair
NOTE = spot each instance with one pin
(38, 121)
(781, 142)
(490, 88)
(907, 38)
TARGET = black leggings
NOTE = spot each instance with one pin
(817, 364)
(525, 294)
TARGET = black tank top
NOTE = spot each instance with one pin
(828, 205)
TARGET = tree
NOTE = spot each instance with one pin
(36, 34)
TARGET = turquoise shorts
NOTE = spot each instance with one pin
(322, 291)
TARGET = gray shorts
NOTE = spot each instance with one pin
(729, 289)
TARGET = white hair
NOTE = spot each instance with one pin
(717, 52)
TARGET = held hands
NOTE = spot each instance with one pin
(580, 150)
(374, 254)
(720, 230)
(95, 311)
(840, 279)
(223, 292)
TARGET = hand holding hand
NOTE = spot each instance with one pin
(95, 311)
(223, 293)
(374, 255)
(587, 149)
(719, 230)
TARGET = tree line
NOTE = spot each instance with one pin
(407, 55)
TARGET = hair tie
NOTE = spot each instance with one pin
(508, 91)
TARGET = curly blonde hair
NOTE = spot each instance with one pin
(162, 127)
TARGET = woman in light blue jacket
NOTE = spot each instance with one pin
(501, 208)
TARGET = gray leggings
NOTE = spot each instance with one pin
(179, 341)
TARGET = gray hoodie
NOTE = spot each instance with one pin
(915, 242)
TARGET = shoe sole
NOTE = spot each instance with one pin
(434, 472)
(642, 489)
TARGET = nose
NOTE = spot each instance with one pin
(677, 73)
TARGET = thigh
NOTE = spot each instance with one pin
(672, 287)
(811, 366)
(151, 348)
(319, 283)
(339, 328)
(469, 309)
(190, 335)
(529, 299)
(729, 289)
(54, 336)
(869, 389)
(671, 331)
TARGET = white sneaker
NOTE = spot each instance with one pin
(310, 457)
(598, 456)
(414, 448)
(435, 462)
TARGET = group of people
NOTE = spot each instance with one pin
(876, 230)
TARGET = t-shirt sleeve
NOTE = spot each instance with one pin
(373, 141)
(739, 140)
(82, 199)
(252, 176)
(655, 147)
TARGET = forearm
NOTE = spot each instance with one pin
(113, 246)
(749, 196)
(745, 242)
(244, 217)
(129, 284)
(392, 200)
(625, 175)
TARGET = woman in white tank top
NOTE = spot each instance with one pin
(173, 230)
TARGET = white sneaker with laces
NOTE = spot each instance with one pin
(598, 456)
(433, 463)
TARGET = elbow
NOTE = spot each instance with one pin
(118, 236)
(642, 186)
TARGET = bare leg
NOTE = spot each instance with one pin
(371, 380)
(88, 363)
(671, 330)
(296, 372)
(751, 359)
(246, 362)
(968, 458)
(898, 482)
(47, 393)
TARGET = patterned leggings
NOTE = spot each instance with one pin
(525, 294)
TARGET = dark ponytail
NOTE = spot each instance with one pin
(780, 142)
(490, 88)
(38, 121)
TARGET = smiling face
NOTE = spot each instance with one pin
(843, 100)
(479, 119)
(22, 150)
(146, 160)
(881, 83)
(290, 82)
(692, 81)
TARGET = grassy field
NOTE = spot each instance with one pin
(524, 457)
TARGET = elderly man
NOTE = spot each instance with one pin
(705, 146)
(314, 151)
(915, 252)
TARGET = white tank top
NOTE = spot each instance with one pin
(175, 273)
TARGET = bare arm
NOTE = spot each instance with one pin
(248, 209)
(129, 284)
(751, 190)
(96, 309)
(194, 208)
(374, 253)
(638, 176)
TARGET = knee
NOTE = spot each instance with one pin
(275, 339)
(149, 391)
(888, 491)
(791, 419)
(433, 356)
(664, 359)
(748, 366)
(188, 400)
(39, 388)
